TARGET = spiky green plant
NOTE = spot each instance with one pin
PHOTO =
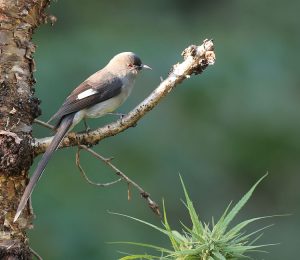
(202, 242)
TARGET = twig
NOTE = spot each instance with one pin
(40, 122)
(35, 254)
(152, 204)
(86, 177)
(196, 60)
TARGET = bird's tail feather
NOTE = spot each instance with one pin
(61, 132)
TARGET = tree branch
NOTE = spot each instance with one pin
(83, 172)
(196, 59)
(145, 195)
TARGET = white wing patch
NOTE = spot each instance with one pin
(86, 93)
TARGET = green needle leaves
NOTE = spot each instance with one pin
(203, 241)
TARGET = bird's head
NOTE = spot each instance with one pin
(126, 63)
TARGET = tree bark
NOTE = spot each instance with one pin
(18, 108)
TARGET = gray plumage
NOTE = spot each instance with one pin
(101, 93)
(107, 87)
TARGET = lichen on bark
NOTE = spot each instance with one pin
(18, 108)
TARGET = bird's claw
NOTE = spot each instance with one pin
(121, 115)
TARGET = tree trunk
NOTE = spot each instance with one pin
(18, 108)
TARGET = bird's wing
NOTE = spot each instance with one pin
(90, 92)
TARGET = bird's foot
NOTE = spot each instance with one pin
(121, 115)
(87, 128)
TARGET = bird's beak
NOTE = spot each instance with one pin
(144, 66)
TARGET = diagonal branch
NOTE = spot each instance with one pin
(196, 59)
(145, 195)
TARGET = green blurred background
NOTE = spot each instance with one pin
(221, 131)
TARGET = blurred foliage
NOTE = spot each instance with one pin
(220, 130)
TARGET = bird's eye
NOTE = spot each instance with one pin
(130, 65)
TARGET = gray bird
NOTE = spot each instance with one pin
(101, 93)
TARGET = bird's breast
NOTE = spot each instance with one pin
(111, 104)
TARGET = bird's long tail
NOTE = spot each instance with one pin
(63, 128)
